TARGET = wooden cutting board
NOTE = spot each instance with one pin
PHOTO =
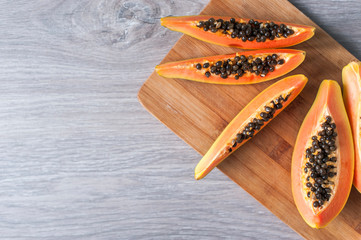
(198, 112)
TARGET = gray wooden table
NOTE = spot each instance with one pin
(81, 159)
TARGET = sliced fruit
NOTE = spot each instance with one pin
(323, 158)
(253, 117)
(238, 68)
(241, 33)
(351, 79)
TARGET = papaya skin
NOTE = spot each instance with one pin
(292, 85)
(328, 101)
(351, 79)
(187, 25)
(185, 69)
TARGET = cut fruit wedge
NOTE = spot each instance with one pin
(190, 25)
(351, 79)
(234, 69)
(323, 158)
(253, 117)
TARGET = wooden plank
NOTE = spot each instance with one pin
(198, 113)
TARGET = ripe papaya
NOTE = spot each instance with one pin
(238, 68)
(252, 118)
(351, 79)
(323, 158)
(241, 33)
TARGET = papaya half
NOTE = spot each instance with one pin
(241, 33)
(323, 158)
(351, 79)
(252, 118)
(238, 68)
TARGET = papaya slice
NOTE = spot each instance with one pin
(323, 158)
(351, 79)
(238, 68)
(252, 118)
(241, 33)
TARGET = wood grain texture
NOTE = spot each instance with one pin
(198, 112)
(71, 127)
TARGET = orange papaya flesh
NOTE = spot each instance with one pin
(234, 69)
(252, 118)
(323, 158)
(351, 79)
(192, 26)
